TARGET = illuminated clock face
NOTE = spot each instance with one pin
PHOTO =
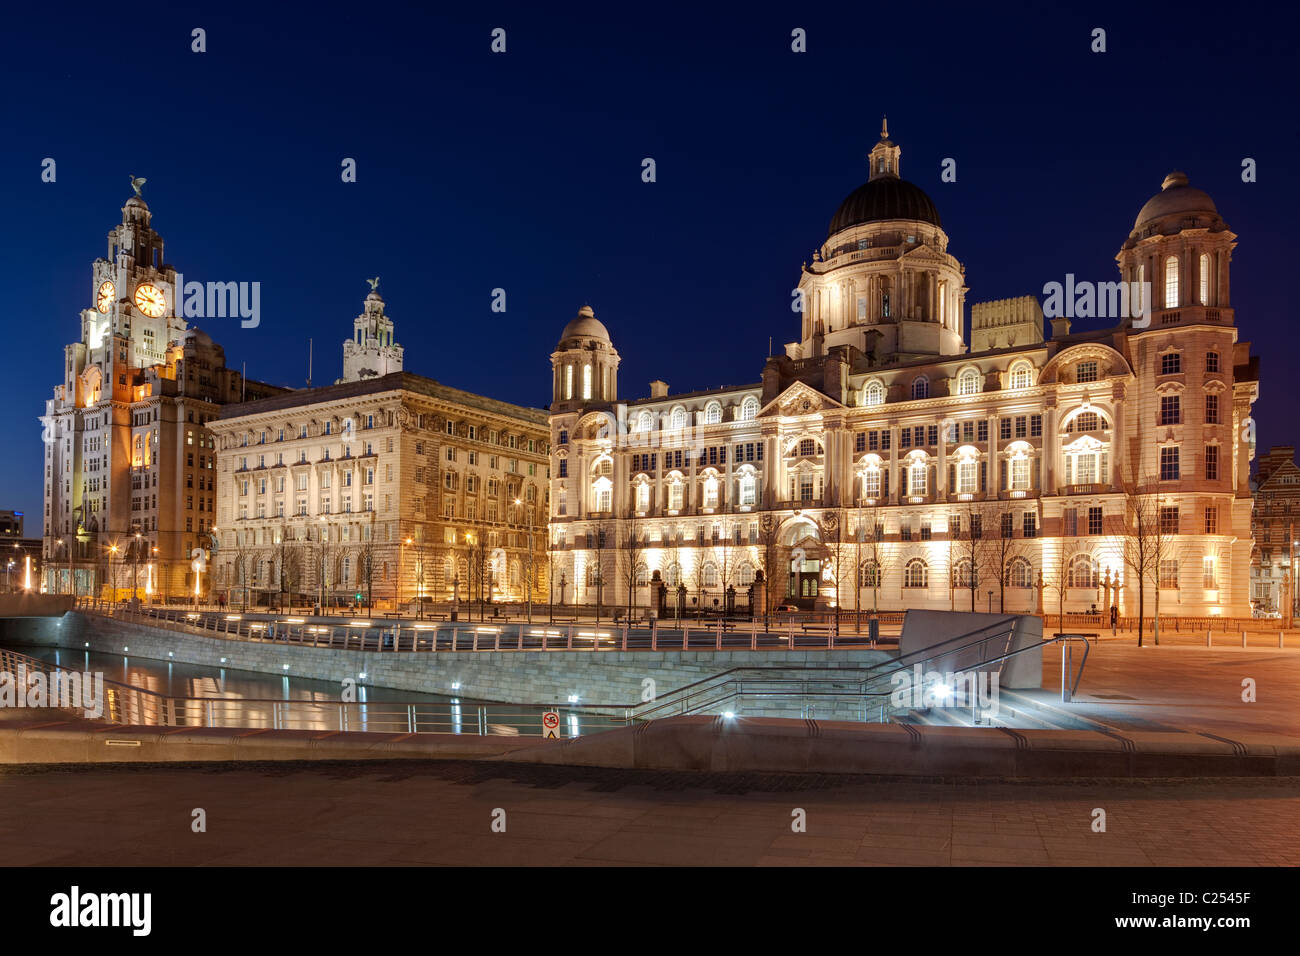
(105, 297)
(150, 300)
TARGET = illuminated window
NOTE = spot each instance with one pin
(1171, 282)
(1083, 572)
(968, 383)
(679, 417)
(1020, 574)
(748, 490)
(1022, 376)
(869, 574)
(712, 413)
(917, 574)
(1205, 279)
(586, 382)
(1169, 575)
(873, 394)
(749, 409)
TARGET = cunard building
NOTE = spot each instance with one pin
(888, 460)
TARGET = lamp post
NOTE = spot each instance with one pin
(135, 571)
(112, 581)
(528, 578)
(320, 593)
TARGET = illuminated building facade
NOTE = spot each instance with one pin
(884, 461)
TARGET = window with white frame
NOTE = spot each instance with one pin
(712, 413)
(748, 489)
(921, 388)
(873, 394)
(1082, 572)
(749, 409)
(916, 574)
(679, 417)
(1171, 282)
(968, 383)
(1205, 279)
(1022, 375)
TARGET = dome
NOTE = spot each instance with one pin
(1176, 198)
(585, 325)
(884, 198)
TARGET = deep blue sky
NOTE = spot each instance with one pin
(522, 171)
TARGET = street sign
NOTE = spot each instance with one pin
(551, 725)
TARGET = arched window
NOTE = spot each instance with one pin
(1205, 279)
(347, 570)
(679, 417)
(593, 574)
(673, 575)
(602, 494)
(676, 488)
(711, 491)
(869, 574)
(1083, 572)
(968, 383)
(749, 409)
(643, 496)
(965, 574)
(916, 476)
(1020, 574)
(873, 394)
(1022, 376)
(642, 575)
(916, 575)
(712, 413)
(710, 575)
(921, 387)
(870, 476)
(645, 421)
(748, 489)
(745, 574)
(1171, 282)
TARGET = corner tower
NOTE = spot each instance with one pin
(371, 352)
(584, 365)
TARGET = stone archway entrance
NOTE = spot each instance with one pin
(805, 556)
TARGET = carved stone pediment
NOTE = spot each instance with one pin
(799, 399)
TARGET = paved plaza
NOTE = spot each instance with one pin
(441, 813)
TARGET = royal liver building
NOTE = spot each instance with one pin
(885, 461)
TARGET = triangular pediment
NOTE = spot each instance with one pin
(799, 399)
(1286, 469)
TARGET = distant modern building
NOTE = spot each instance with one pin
(11, 524)
(20, 557)
(1276, 532)
(881, 461)
(129, 461)
(386, 484)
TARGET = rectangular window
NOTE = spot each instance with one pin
(1169, 463)
(859, 443)
(1087, 372)
(1211, 361)
(1209, 580)
(932, 435)
(1071, 520)
(982, 430)
(1211, 520)
(1211, 462)
(1008, 525)
(1030, 525)
(1169, 520)
(1004, 429)
(1212, 409)
(905, 530)
(564, 468)
(1171, 363)
(1021, 426)
(1035, 426)
(1170, 410)
(1094, 521)
(1169, 575)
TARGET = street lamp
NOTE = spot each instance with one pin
(135, 571)
(528, 581)
(112, 581)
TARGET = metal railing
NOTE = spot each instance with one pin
(402, 635)
(137, 706)
(865, 692)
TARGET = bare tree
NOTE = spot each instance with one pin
(971, 547)
(628, 557)
(1004, 547)
(1148, 541)
(1056, 577)
(769, 557)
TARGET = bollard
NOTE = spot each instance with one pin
(1209, 642)
(1279, 639)
(1243, 638)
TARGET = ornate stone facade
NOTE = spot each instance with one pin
(880, 463)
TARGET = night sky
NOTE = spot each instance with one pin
(522, 171)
